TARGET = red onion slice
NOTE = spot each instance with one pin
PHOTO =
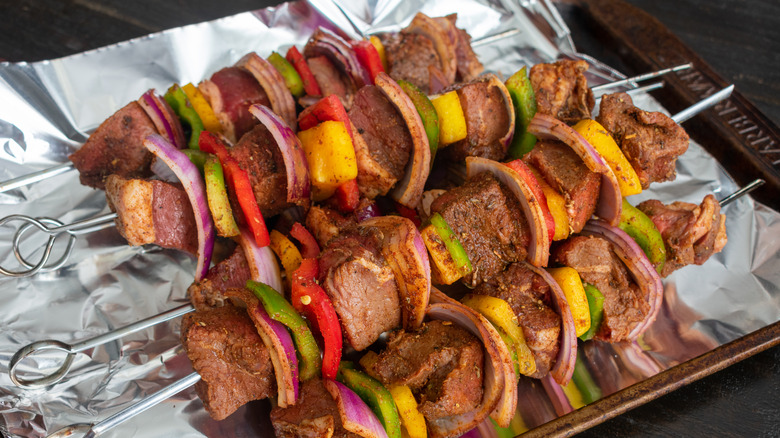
(610, 203)
(325, 42)
(356, 416)
(273, 83)
(263, 266)
(499, 398)
(405, 253)
(163, 117)
(295, 163)
(426, 26)
(408, 191)
(557, 396)
(567, 353)
(193, 184)
(367, 212)
(636, 261)
(539, 247)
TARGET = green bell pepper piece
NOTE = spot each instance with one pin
(524, 101)
(291, 77)
(644, 232)
(584, 381)
(197, 157)
(459, 255)
(596, 307)
(190, 119)
(376, 396)
(217, 198)
(428, 114)
(282, 311)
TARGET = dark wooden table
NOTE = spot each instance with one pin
(739, 39)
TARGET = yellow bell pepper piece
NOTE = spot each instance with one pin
(443, 269)
(286, 251)
(500, 314)
(331, 157)
(573, 394)
(599, 138)
(452, 122)
(412, 420)
(557, 205)
(569, 280)
(202, 107)
(380, 49)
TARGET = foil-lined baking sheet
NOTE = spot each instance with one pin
(48, 108)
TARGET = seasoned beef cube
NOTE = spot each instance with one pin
(330, 80)
(326, 223)
(487, 220)
(233, 363)
(529, 296)
(231, 91)
(361, 286)
(487, 121)
(314, 415)
(468, 64)
(562, 91)
(651, 141)
(564, 170)
(387, 139)
(412, 57)
(152, 212)
(231, 272)
(691, 233)
(116, 148)
(258, 154)
(597, 264)
(441, 364)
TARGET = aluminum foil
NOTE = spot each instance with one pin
(48, 108)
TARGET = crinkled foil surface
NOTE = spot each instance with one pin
(47, 109)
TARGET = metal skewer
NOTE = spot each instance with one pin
(642, 77)
(741, 192)
(71, 350)
(700, 106)
(35, 177)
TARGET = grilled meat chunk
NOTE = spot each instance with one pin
(597, 264)
(691, 233)
(441, 363)
(234, 364)
(231, 91)
(651, 141)
(413, 57)
(562, 91)
(529, 296)
(116, 148)
(387, 142)
(487, 121)
(151, 211)
(564, 170)
(488, 221)
(330, 80)
(231, 272)
(361, 286)
(314, 415)
(468, 64)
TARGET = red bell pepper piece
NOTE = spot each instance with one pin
(368, 57)
(409, 213)
(347, 196)
(309, 247)
(522, 169)
(239, 183)
(310, 84)
(327, 109)
(311, 300)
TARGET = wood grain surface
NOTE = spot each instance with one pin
(739, 39)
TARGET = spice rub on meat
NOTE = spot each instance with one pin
(314, 415)
(233, 272)
(383, 142)
(330, 79)
(360, 285)
(468, 65)
(562, 91)
(691, 233)
(116, 148)
(487, 220)
(651, 141)
(596, 262)
(565, 171)
(230, 92)
(152, 211)
(412, 57)
(441, 363)
(228, 353)
(529, 296)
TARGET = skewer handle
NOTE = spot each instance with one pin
(700, 106)
(71, 350)
(35, 177)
